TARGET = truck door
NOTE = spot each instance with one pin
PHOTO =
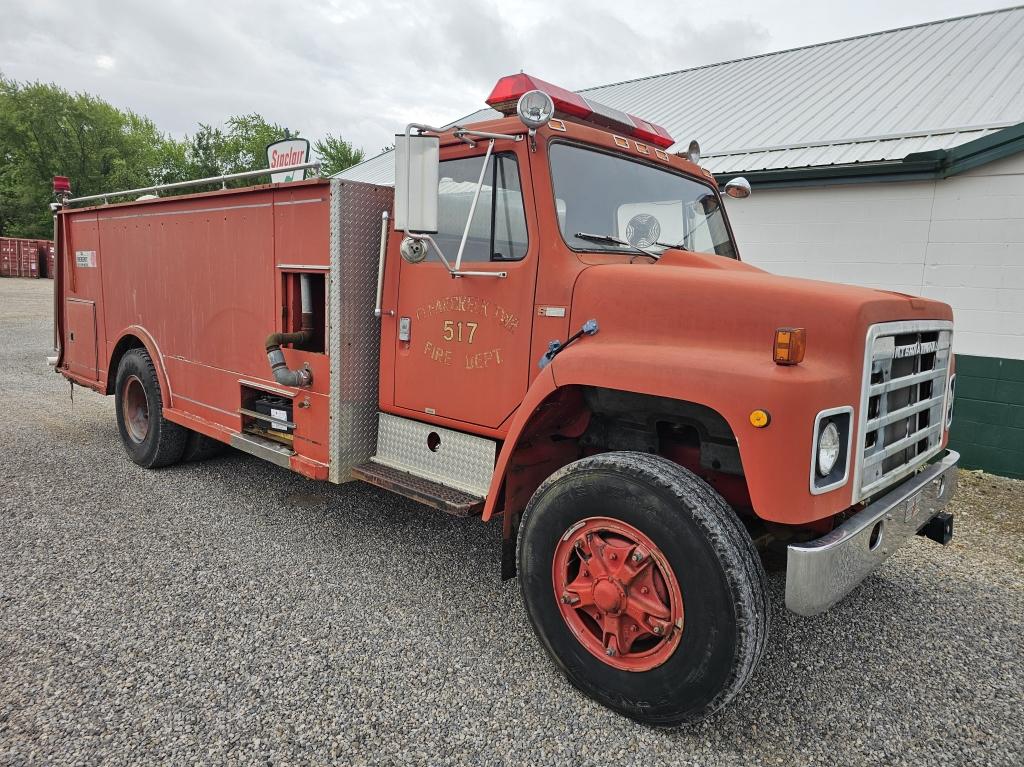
(463, 346)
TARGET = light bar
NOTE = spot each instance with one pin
(506, 95)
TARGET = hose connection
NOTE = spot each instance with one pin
(282, 373)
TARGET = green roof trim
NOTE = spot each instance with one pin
(918, 166)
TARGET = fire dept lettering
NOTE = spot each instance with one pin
(473, 317)
(481, 307)
(438, 354)
(483, 359)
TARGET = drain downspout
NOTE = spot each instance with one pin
(282, 373)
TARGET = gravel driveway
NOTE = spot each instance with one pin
(232, 612)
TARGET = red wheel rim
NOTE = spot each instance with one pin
(135, 409)
(617, 594)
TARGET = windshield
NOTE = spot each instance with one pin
(597, 193)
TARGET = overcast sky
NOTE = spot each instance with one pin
(366, 68)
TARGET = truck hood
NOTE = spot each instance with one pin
(723, 304)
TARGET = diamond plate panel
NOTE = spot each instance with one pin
(462, 461)
(354, 342)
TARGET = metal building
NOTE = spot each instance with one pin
(893, 160)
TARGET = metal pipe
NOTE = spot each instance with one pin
(306, 302)
(380, 265)
(196, 182)
(460, 132)
(282, 373)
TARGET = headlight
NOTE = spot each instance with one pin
(828, 449)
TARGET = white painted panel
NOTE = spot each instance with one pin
(959, 240)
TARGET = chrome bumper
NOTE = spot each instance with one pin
(821, 572)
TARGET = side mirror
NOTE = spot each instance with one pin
(416, 175)
(738, 188)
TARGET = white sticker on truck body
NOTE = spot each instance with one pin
(85, 258)
(282, 415)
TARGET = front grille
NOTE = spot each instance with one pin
(902, 401)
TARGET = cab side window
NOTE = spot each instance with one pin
(498, 229)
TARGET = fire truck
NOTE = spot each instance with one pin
(545, 322)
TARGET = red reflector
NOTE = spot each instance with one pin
(509, 89)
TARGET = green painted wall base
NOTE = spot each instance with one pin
(988, 415)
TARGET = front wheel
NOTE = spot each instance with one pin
(643, 586)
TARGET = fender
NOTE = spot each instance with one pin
(732, 382)
(541, 388)
(153, 349)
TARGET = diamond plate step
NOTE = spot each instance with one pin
(425, 491)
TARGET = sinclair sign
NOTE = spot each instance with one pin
(285, 153)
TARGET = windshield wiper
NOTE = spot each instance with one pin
(615, 241)
(683, 244)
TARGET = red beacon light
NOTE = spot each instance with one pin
(509, 89)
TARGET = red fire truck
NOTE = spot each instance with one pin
(545, 321)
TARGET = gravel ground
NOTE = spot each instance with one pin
(231, 612)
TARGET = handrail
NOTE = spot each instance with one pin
(196, 182)
(380, 263)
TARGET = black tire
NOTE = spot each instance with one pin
(199, 447)
(157, 442)
(722, 581)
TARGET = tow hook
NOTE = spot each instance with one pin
(939, 528)
(557, 347)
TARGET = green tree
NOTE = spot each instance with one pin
(47, 131)
(336, 154)
(241, 146)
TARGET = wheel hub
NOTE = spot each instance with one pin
(135, 409)
(617, 594)
(609, 596)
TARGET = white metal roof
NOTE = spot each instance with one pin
(859, 100)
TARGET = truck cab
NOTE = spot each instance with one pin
(546, 321)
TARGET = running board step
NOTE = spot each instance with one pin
(266, 449)
(425, 491)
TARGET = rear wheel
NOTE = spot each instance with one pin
(199, 447)
(150, 439)
(643, 586)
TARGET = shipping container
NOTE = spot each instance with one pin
(20, 257)
(8, 256)
(28, 258)
(46, 257)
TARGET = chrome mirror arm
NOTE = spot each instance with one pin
(472, 206)
(447, 264)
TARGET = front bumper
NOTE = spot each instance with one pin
(821, 572)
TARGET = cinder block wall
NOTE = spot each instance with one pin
(960, 240)
(988, 420)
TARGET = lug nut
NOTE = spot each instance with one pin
(644, 589)
(638, 556)
(569, 599)
(657, 630)
(610, 652)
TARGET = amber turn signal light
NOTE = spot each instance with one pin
(760, 418)
(790, 345)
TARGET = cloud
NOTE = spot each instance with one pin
(364, 68)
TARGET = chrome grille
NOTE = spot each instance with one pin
(903, 400)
